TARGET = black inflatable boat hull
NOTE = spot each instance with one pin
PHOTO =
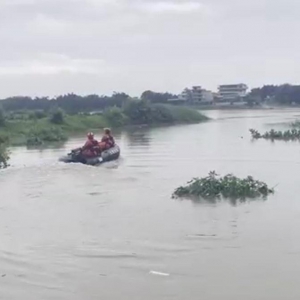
(107, 155)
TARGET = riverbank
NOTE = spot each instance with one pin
(35, 128)
(242, 106)
(228, 106)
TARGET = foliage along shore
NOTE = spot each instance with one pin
(287, 135)
(4, 155)
(292, 134)
(38, 127)
(214, 187)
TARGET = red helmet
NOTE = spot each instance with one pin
(90, 135)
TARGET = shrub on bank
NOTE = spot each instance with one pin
(4, 154)
(57, 116)
(75, 123)
(115, 117)
(40, 136)
(296, 124)
(214, 186)
(162, 114)
(2, 117)
(34, 128)
(138, 112)
(142, 112)
(183, 114)
(37, 115)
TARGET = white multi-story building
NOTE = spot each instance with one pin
(207, 96)
(232, 92)
(194, 95)
(186, 95)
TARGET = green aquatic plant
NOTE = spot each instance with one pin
(287, 135)
(255, 134)
(214, 186)
(295, 124)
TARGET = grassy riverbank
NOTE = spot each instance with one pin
(37, 127)
(22, 132)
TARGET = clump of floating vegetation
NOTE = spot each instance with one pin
(231, 187)
(4, 154)
(287, 135)
(296, 124)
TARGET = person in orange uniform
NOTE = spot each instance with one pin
(107, 140)
(90, 147)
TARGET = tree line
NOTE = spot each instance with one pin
(285, 94)
(71, 103)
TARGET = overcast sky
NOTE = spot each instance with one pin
(52, 47)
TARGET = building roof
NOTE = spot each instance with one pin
(233, 85)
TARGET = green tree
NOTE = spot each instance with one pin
(115, 117)
(282, 94)
(36, 115)
(57, 116)
(161, 113)
(139, 112)
(2, 117)
(155, 97)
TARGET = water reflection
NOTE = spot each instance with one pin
(139, 137)
(220, 200)
(41, 148)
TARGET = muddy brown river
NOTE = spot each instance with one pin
(72, 232)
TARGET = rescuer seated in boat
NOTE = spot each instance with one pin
(107, 140)
(91, 146)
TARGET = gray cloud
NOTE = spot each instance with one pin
(98, 46)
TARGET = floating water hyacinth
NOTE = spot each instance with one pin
(4, 154)
(214, 186)
(288, 135)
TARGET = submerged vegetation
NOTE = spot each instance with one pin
(287, 135)
(292, 134)
(214, 186)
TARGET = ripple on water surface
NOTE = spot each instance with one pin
(113, 232)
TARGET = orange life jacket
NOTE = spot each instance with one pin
(90, 148)
(107, 142)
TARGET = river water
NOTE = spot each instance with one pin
(72, 232)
